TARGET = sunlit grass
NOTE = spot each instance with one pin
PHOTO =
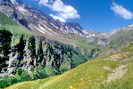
(82, 77)
(90, 75)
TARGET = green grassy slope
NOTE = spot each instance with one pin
(6, 20)
(82, 77)
(91, 75)
(9, 24)
(17, 30)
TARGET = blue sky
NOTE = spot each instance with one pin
(99, 15)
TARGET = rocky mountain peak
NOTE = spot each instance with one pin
(40, 22)
(7, 2)
(36, 20)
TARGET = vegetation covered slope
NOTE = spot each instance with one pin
(6, 20)
(12, 26)
(88, 75)
(113, 71)
(26, 56)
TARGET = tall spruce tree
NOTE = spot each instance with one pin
(5, 47)
(41, 60)
(20, 49)
(32, 48)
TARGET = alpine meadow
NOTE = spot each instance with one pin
(66, 44)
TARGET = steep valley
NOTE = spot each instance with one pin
(112, 71)
(39, 52)
(25, 55)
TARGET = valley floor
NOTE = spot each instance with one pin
(113, 71)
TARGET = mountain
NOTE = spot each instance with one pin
(37, 21)
(41, 24)
(121, 36)
(44, 25)
(34, 46)
(29, 56)
(111, 71)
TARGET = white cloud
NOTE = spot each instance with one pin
(43, 2)
(58, 18)
(13, 1)
(63, 12)
(121, 11)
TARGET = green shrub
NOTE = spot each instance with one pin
(22, 75)
(6, 81)
(39, 73)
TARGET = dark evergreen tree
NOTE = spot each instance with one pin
(49, 51)
(94, 52)
(32, 48)
(70, 54)
(5, 47)
(41, 60)
(20, 49)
